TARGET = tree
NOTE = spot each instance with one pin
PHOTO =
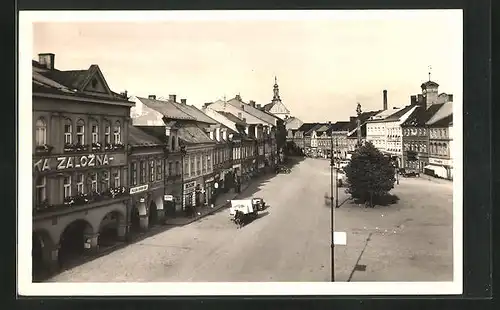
(370, 174)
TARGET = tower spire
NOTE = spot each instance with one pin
(276, 90)
(275, 80)
(430, 68)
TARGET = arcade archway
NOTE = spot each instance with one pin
(72, 241)
(153, 214)
(135, 216)
(108, 229)
(41, 245)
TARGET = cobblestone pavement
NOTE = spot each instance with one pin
(291, 240)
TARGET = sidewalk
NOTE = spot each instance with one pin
(220, 203)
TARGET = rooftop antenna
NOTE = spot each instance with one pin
(430, 68)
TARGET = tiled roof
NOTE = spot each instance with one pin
(166, 108)
(443, 122)
(194, 112)
(263, 115)
(233, 118)
(382, 115)
(193, 135)
(444, 111)
(420, 116)
(338, 126)
(137, 137)
(396, 116)
(316, 126)
(306, 126)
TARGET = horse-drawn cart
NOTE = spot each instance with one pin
(244, 211)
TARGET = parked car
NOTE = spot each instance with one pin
(405, 172)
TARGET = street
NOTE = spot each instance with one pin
(290, 241)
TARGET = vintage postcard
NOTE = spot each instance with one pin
(240, 152)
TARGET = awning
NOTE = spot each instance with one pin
(440, 171)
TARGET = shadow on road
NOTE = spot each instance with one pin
(383, 201)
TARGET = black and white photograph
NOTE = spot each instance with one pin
(240, 152)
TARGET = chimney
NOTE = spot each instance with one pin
(183, 101)
(238, 97)
(171, 98)
(244, 120)
(420, 99)
(252, 103)
(450, 98)
(259, 106)
(413, 100)
(352, 119)
(206, 104)
(152, 97)
(385, 99)
(243, 107)
(47, 60)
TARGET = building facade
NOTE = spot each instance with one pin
(147, 157)
(80, 171)
(440, 152)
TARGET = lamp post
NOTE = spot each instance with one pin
(336, 177)
(332, 218)
(183, 154)
(358, 123)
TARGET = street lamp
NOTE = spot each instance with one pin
(332, 218)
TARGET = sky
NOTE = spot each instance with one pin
(324, 65)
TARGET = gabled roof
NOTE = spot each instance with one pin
(396, 116)
(306, 127)
(193, 135)
(76, 80)
(316, 126)
(443, 122)
(194, 112)
(166, 108)
(444, 111)
(338, 126)
(420, 116)
(382, 115)
(233, 118)
(263, 115)
(138, 137)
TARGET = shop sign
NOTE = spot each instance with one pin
(138, 189)
(216, 185)
(189, 187)
(210, 179)
(79, 161)
(436, 161)
(168, 197)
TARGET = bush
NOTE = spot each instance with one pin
(370, 174)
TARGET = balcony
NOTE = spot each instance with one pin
(82, 201)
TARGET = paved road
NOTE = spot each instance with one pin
(291, 241)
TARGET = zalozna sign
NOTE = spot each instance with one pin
(69, 162)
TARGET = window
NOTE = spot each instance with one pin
(170, 168)
(133, 172)
(93, 182)
(117, 180)
(117, 138)
(143, 172)
(80, 132)
(80, 183)
(107, 133)
(68, 132)
(41, 189)
(151, 170)
(159, 169)
(191, 171)
(177, 168)
(204, 158)
(198, 164)
(105, 180)
(95, 132)
(67, 186)
(186, 168)
(40, 132)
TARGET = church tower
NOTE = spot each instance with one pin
(276, 107)
(276, 90)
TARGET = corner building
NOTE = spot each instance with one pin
(80, 130)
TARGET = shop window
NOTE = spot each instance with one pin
(133, 173)
(159, 169)
(93, 182)
(67, 186)
(105, 180)
(116, 178)
(41, 189)
(143, 172)
(80, 132)
(68, 131)
(107, 132)
(95, 132)
(151, 170)
(41, 132)
(80, 183)
(117, 133)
